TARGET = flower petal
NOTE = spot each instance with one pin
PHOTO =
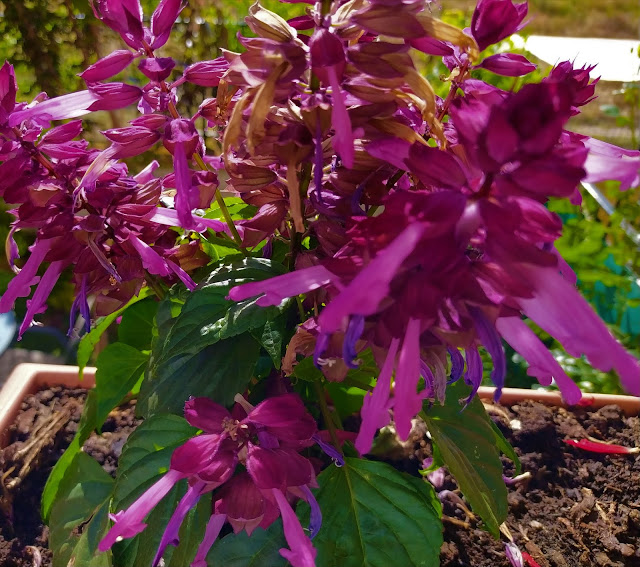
(376, 405)
(542, 364)
(205, 414)
(214, 525)
(128, 522)
(302, 553)
(277, 289)
(407, 401)
(171, 533)
(365, 292)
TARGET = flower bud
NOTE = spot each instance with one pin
(267, 24)
(206, 73)
(108, 66)
(157, 68)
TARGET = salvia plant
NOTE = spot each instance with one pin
(333, 268)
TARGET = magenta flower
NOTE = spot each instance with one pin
(494, 20)
(266, 442)
(125, 18)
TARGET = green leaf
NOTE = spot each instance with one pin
(119, 367)
(80, 516)
(218, 371)
(505, 447)
(270, 338)
(349, 394)
(136, 327)
(375, 516)
(145, 457)
(88, 423)
(469, 447)
(307, 371)
(208, 350)
(208, 317)
(90, 340)
(259, 550)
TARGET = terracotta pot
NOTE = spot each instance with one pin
(629, 404)
(27, 379)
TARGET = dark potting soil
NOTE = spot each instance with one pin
(42, 431)
(577, 509)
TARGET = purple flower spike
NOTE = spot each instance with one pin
(112, 96)
(371, 285)
(12, 251)
(162, 20)
(20, 286)
(123, 17)
(351, 337)
(315, 519)
(329, 450)
(376, 405)
(473, 376)
(80, 304)
(301, 552)
(457, 364)
(275, 290)
(38, 303)
(563, 313)
(132, 141)
(491, 341)
(8, 89)
(157, 68)
(206, 73)
(186, 193)
(328, 62)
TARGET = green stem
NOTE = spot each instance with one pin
(326, 414)
(300, 309)
(156, 286)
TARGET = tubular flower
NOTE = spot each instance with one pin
(266, 442)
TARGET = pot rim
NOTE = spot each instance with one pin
(630, 405)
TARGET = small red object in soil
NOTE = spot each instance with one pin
(601, 447)
(586, 401)
(530, 560)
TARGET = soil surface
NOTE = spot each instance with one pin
(576, 509)
(42, 431)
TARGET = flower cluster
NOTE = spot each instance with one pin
(433, 236)
(261, 446)
(111, 227)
